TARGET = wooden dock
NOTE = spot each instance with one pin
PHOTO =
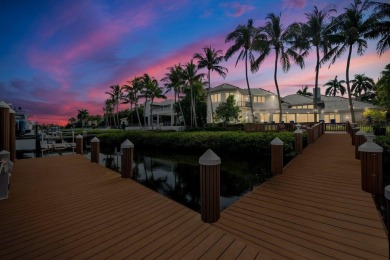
(66, 207)
(314, 210)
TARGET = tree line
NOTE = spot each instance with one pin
(329, 36)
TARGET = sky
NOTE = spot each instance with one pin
(60, 56)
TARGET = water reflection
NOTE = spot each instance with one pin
(177, 176)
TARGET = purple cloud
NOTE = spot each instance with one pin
(236, 9)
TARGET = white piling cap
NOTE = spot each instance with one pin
(209, 158)
(11, 111)
(5, 154)
(127, 144)
(277, 141)
(387, 192)
(298, 131)
(370, 146)
(360, 132)
(4, 105)
(95, 140)
(79, 137)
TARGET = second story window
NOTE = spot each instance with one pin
(258, 99)
(228, 94)
(216, 98)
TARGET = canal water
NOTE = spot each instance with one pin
(176, 176)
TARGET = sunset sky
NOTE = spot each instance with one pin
(60, 56)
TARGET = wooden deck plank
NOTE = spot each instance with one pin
(315, 209)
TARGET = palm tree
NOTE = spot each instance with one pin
(360, 84)
(71, 121)
(383, 88)
(210, 60)
(173, 82)
(284, 42)
(381, 27)
(82, 116)
(190, 76)
(116, 95)
(304, 91)
(334, 86)
(245, 38)
(351, 29)
(151, 91)
(315, 33)
(131, 97)
(108, 110)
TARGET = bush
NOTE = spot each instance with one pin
(237, 144)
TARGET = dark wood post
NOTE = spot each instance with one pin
(359, 140)
(4, 174)
(277, 156)
(12, 135)
(127, 148)
(298, 139)
(4, 126)
(371, 166)
(310, 135)
(354, 131)
(95, 150)
(79, 144)
(387, 196)
(209, 186)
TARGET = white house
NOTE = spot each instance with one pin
(295, 107)
(164, 115)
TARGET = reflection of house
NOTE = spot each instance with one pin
(297, 108)
(163, 114)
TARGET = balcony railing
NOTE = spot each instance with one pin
(243, 103)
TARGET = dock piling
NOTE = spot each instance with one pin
(359, 140)
(12, 135)
(95, 150)
(79, 144)
(298, 139)
(4, 126)
(277, 156)
(210, 186)
(127, 148)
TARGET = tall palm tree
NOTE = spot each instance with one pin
(116, 95)
(210, 60)
(351, 29)
(361, 84)
(131, 96)
(335, 86)
(82, 116)
(108, 110)
(173, 82)
(284, 41)
(315, 33)
(190, 76)
(245, 38)
(381, 27)
(304, 91)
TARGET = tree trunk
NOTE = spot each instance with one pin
(211, 102)
(249, 89)
(195, 119)
(316, 84)
(117, 113)
(348, 88)
(139, 119)
(151, 113)
(181, 110)
(277, 86)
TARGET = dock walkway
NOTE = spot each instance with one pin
(315, 209)
(66, 207)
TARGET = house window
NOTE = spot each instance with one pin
(216, 98)
(228, 94)
(258, 99)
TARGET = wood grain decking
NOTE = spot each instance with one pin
(314, 210)
(66, 207)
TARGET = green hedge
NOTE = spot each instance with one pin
(383, 141)
(237, 144)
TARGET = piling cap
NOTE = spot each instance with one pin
(209, 158)
(4, 105)
(11, 111)
(95, 140)
(127, 144)
(387, 192)
(360, 132)
(370, 146)
(4, 154)
(277, 141)
(79, 137)
(298, 131)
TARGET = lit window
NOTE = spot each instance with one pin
(258, 99)
(216, 98)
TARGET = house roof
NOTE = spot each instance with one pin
(341, 103)
(297, 99)
(254, 91)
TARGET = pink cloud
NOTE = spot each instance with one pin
(292, 4)
(236, 9)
